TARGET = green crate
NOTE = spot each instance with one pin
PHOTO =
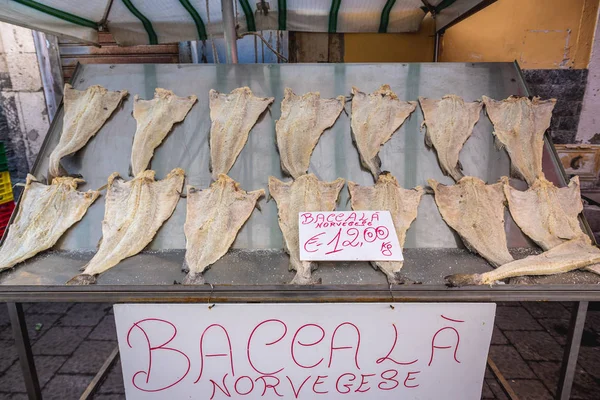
(3, 159)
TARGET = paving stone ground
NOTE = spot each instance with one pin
(71, 341)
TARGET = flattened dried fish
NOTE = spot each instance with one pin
(155, 119)
(306, 193)
(135, 210)
(450, 123)
(574, 254)
(303, 120)
(519, 125)
(233, 115)
(476, 212)
(545, 213)
(214, 217)
(45, 214)
(388, 195)
(375, 118)
(85, 113)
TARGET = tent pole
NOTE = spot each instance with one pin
(436, 46)
(230, 33)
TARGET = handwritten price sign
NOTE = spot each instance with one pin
(348, 236)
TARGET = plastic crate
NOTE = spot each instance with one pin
(6, 193)
(3, 159)
(6, 211)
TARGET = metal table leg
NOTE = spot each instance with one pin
(19, 327)
(569, 363)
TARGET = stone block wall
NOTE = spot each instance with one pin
(567, 86)
(23, 115)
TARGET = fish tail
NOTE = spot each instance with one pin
(458, 280)
(193, 279)
(82, 279)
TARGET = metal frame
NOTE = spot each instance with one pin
(581, 294)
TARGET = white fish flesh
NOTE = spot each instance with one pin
(519, 125)
(214, 218)
(233, 115)
(135, 210)
(388, 195)
(303, 120)
(155, 119)
(84, 114)
(45, 213)
(375, 118)
(306, 193)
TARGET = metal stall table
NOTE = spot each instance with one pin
(256, 268)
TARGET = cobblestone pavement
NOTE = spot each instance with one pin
(71, 341)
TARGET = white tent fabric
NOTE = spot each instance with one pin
(166, 21)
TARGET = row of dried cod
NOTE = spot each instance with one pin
(136, 209)
(519, 125)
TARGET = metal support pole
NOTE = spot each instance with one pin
(436, 46)
(19, 328)
(569, 363)
(230, 32)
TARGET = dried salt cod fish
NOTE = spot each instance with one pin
(214, 217)
(519, 125)
(85, 113)
(574, 254)
(303, 120)
(135, 210)
(545, 213)
(45, 213)
(375, 118)
(233, 115)
(450, 123)
(402, 204)
(155, 119)
(476, 212)
(306, 193)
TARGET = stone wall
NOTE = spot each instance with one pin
(23, 115)
(568, 87)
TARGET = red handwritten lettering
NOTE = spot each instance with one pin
(249, 345)
(223, 389)
(235, 386)
(268, 385)
(202, 355)
(363, 382)
(292, 346)
(313, 241)
(296, 393)
(332, 347)
(307, 218)
(450, 319)
(387, 357)
(156, 348)
(346, 385)
(318, 381)
(434, 346)
(408, 378)
(351, 217)
(335, 239)
(385, 375)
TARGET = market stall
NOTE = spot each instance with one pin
(256, 267)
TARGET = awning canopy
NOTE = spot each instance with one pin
(166, 21)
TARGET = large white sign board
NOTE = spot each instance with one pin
(348, 236)
(304, 351)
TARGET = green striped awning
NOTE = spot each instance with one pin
(167, 21)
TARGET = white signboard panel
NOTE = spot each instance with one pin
(348, 236)
(304, 351)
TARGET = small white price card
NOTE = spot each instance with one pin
(348, 236)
